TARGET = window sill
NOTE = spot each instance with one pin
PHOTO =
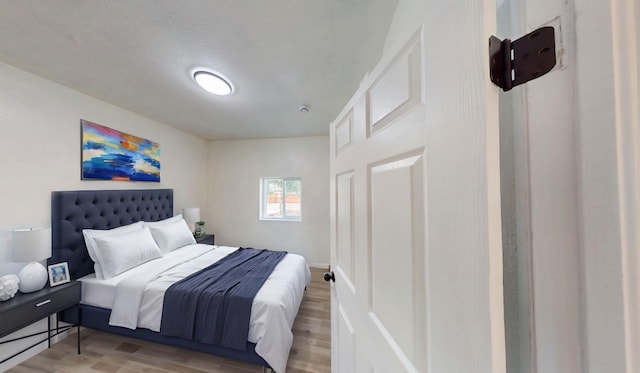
(280, 219)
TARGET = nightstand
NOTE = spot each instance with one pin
(207, 239)
(25, 309)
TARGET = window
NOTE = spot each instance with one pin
(280, 198)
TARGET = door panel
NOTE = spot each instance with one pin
(378, 210)
(397, 89)
(344, 131)
(344, 226)
(415, 209)
(347, 337)
(398, 295)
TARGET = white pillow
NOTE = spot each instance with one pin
(172, 236)
(117, 254)
(172, 219)
(90, 234)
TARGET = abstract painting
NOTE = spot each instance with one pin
(108, 154)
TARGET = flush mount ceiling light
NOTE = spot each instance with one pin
(212, 83)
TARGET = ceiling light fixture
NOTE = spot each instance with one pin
(212, 83)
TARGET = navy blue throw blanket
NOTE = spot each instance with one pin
(213, 305)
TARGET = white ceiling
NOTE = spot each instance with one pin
(139, 54)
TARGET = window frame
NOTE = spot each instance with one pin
(264, 198)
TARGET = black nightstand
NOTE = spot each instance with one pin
(207, 239)
(25, 309)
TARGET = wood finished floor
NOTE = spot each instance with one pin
(104, 352)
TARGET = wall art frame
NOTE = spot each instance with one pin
(109, 154)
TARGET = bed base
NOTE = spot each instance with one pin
(98, 319)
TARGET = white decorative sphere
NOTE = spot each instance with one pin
(8, 286)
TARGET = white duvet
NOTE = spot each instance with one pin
(139, 295)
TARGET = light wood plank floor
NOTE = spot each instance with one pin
(104, 352)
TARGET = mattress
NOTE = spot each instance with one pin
(283, 290)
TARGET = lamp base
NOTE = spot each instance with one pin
(32, 277)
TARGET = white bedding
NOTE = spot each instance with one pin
(136, 296)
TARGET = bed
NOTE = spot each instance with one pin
(75, 211)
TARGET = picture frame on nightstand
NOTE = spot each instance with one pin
(59, 274)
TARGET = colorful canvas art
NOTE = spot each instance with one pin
(108, 154)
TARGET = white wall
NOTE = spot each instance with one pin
(40, 153)
(235, 169)
(608, 142)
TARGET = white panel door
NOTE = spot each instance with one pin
(415, 205)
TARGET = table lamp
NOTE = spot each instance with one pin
(191, 216)
(31, 245)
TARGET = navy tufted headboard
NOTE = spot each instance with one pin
(73, 211)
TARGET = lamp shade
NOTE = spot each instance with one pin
(191, 215)
(30, 244)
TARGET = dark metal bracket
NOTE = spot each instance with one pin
(512, 63)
